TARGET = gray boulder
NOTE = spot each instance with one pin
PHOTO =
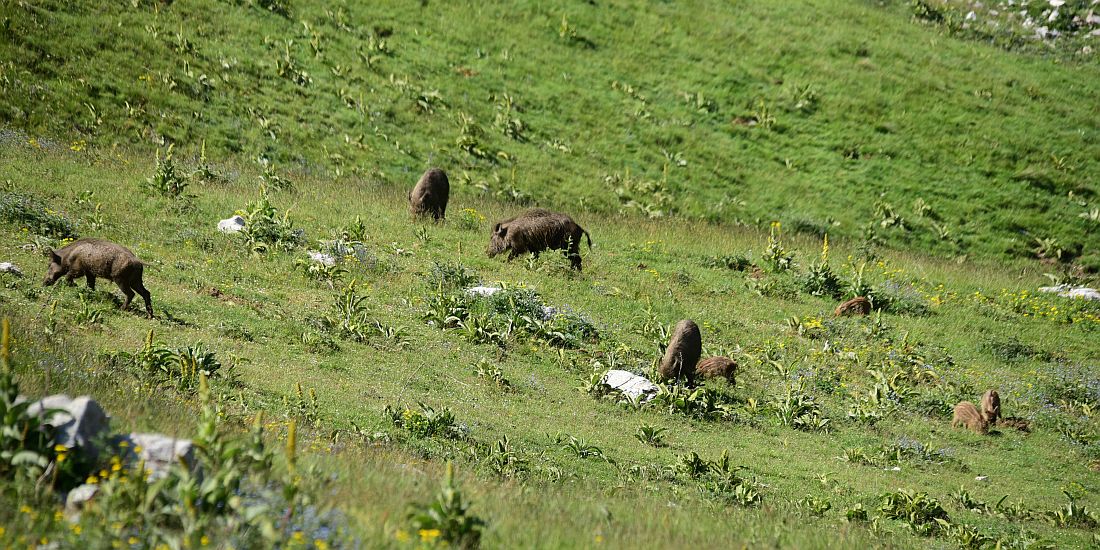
(231, 225)
(79, 422)
(158, 452)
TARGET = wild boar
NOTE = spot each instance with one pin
(991, 407)
(536, 230)
(684, 348)
(966, 414)
(430, 195)
(856, 306)
(91, 258)
(716, 367)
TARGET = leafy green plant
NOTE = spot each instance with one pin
(486, 370)
(25, 439)
(500, 457)
(920, 512)
(800, 410)
(426, 421)
(167, 180)
(814, 506)
(447, 516)
(265, 229)
(88, 313)
(583, 449)
(651, 435)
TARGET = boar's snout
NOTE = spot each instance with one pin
(54, 271)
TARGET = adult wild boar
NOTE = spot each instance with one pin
(682, 354)
(536, 230)
(429, 196)
(91, 258)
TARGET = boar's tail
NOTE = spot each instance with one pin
(589, 237)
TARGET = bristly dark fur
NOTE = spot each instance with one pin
(682, 355)
(716, 367)
(536, 230)
(429, 196)
(91, 258)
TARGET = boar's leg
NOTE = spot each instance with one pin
(91, 281)
(128, 292)
(140, 288)
(574, 254)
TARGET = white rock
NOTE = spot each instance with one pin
(1057, 4)
(231, 225)
(628, 383)
(1068, 291)
(982, 478)
(160, 452)
(322, 258)
(77, 498)
(971, 16)
(8, 267)
(79, 422)
(483, 291)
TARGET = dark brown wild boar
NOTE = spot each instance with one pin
(991, 407)
(682, 354)
(966, 414)
(856, 306)
(536, 230)
(716, 367)
(430, 195)
(91, 258)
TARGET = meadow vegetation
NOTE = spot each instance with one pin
(744, 166)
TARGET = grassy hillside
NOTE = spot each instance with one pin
(912, 134)
(708, 148)
(275, 325)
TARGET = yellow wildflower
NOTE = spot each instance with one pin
(428, 535)
(401, 535)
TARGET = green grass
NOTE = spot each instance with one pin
(634, 118)
(998, 144)
(266, 304)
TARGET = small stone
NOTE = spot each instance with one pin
(981, 478)
(483, 291)
(322, 258)
(231, 225)
(159, 452)
(8, 267)
(630, 384)
(77, 499)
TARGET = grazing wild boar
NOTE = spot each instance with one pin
(966, 414)
(991, 407)
(429, 196)
(716, 367)
(856, 306)
(536, 230)
(682, 355)
(91, 258)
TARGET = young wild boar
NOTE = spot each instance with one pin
(91, 258)
(991, 407)
(716, 367)
(536, 230)
(966, 414)
(429, 196)
(856, 306)
(683, 352)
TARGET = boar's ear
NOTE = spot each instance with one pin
(54, 256)
(499, 230)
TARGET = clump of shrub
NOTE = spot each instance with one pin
(426, 421)
(28, 212)
(265, 229)
(447, 517)
(181, 368)
(167, 179)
